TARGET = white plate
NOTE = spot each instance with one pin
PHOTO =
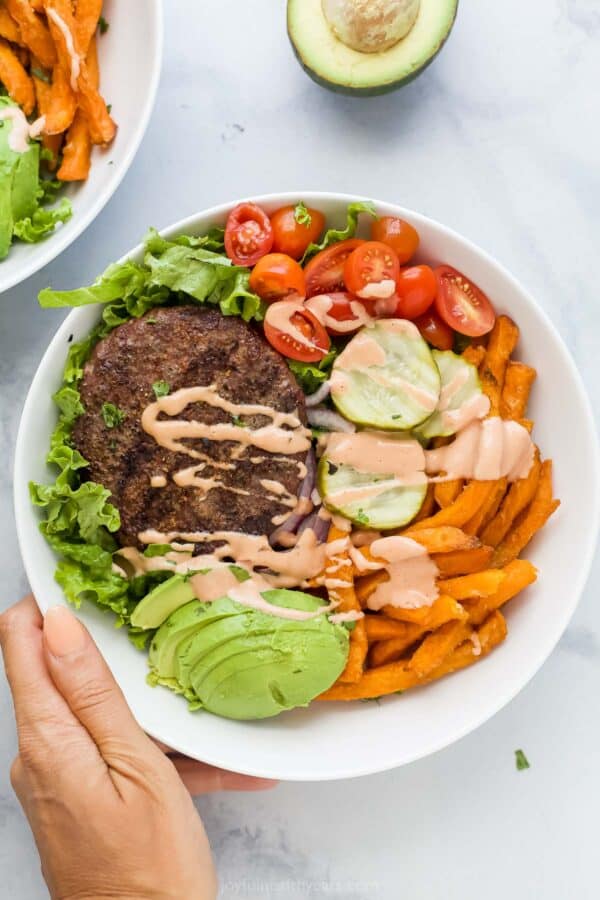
(330, 741)
(130, 58)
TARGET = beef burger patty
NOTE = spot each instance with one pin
(185, 346)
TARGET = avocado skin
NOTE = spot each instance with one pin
(375, 90)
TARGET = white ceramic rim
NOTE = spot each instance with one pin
(49, 249)
(535, 660)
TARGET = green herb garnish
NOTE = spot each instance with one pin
(103, 25)
(161, 389)
(109, 108)
(237, 420)
(112, 415)
(157, 550)
(362, 518)
(302, 215)
(521, 761)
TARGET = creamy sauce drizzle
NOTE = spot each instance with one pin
(485, 450)
(412, 572)
(378, 290)
(280, 568)
(321, 305)
(69, 43)
(21, 132)
(280, 315)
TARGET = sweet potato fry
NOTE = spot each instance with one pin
(428, 506)
(76, 159)
(480, 584)
(446, 492)
(384, 652)
(444, 609)
(93, 64)
(519, 495)
(488, 509)
(491, 633)
(377, 682)
(87, 13)
(52, 143)
(519, 574)
(442, 539)
(367, 584)
(517, 387)
(15, 79)
(437, 647)
(463, 562)
(502, 342)
(9, 29)
(59, 104)
(397, 677)
(37, 5)
(34, 31)
(474, 354)
(531, 519)
(463, 508)
(101, 126)
(381, 628)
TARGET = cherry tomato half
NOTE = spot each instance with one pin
(435, 331)
(397, 234)
(339, 312)
(416, 288)
(325, 271)
(295, 332)
(248, 234)
(461, 304)
(371, 271)
(277, 276)
(293, 237)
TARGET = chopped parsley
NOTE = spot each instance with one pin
(240, 573)
(361, 517)
(157, 550)
(150, 321)
(302, 215)
(397, 416)
(521, 761)
(112, 415)
(238, 421)
(161, 389)
(109, 108)
(39, 73)
(103, 25)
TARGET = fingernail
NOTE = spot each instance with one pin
(64, 634)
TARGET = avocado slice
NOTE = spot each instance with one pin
(170, 640)
(341, 68)
(166, 598)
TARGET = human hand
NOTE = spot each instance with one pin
(109, 813)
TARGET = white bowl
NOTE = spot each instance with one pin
(130, 59)
(329, 741)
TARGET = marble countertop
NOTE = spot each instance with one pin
(499, 139)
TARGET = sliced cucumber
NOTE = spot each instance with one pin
(461, 390)
(386, 377)
(379, 507)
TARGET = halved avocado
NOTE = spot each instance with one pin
(334, 65)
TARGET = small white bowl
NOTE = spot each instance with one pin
(329, 741)
(130, 55)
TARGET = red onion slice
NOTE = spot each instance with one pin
(321, 394)
(327, 418)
